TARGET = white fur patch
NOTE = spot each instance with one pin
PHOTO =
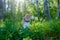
(32, 17)
(26, 24)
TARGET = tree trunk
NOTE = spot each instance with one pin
(13, 8)
(58, 11)
(8, 5)
(25, 9)
(38, 10)
(19, 12)
(47, 10)
(1, 9)
(4, 10)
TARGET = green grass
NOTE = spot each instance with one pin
(13, 30)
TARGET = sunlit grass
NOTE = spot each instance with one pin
(1, 24)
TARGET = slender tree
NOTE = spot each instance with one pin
(19, 11)
(4, 9)
(1, 8)
(13, 8)
(47, 10)
(25, 9)
(58, 11)
(38, 10)
(8, 5)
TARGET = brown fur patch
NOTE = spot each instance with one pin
(28, 17)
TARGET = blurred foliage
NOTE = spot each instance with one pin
(38, 30)
(12, 28)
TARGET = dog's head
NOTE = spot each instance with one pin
(28, 17)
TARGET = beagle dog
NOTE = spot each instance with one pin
(27, 19)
